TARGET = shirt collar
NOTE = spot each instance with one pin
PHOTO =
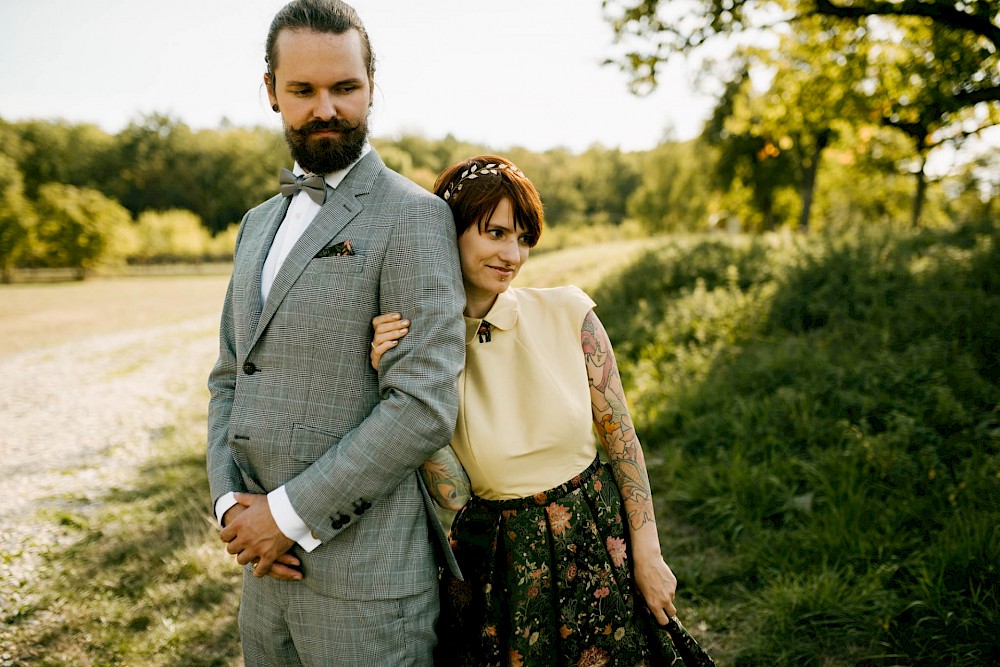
(503, 315)
(334, 178)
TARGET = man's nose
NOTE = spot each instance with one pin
(325, 108)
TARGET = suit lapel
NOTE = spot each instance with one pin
(254, 305)
(341, 207)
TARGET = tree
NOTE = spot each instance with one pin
(606, 178)
(76, 227)
(171, 236)
(673, 193)
(217, 174)
(813, 84)
(753, 161)
(60, 152)
(932, 68)
(15, 217)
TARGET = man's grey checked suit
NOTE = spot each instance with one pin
(294, 399)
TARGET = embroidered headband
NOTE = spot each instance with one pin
(475, 171)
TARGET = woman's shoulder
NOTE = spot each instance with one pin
(564, 294)
(554, 302)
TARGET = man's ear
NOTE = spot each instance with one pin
(269, 86)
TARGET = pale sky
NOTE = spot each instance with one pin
(519, 72)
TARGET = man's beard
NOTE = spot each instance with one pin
(324, 155)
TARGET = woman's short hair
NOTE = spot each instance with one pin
(475, 187)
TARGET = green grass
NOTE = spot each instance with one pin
(826, 412)
(143, 580)
(822, 422)
(140, 576)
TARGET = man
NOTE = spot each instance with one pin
(311, 454)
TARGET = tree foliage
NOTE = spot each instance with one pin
(672, 191)
(16, 217)
(760, 152)
(929, 69)
(76, 227)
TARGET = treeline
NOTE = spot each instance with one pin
(74, 196)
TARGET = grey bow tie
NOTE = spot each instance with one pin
(314, 186)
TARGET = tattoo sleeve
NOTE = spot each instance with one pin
(614, 424)
(446, 479)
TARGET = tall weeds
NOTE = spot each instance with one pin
(826, 414)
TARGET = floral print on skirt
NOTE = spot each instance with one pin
(548, 582)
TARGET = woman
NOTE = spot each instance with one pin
(560, 552)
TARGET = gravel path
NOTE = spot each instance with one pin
(81, 418)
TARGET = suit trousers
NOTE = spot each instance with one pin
(287, 624)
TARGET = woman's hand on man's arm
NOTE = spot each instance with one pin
(389, 329)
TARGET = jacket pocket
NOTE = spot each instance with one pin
(308, 444)
(337, 264)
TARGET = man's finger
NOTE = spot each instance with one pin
(263, 567)
(284, 572)
(289, 559)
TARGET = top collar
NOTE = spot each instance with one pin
(503, 315)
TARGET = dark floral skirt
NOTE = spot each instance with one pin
(548, 582)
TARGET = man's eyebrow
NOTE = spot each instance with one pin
(299, 84)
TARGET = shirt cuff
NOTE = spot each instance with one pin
(288, 520)
(222, 506)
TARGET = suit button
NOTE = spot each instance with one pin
(360, 506)
(340, 521)
(249, 368)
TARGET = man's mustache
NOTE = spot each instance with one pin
(332, 125)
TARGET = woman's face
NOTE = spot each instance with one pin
(491, 258)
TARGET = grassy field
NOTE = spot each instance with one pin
(38, 315)
(139, 577)
(35, 315)
(822, 422)
(827, 415)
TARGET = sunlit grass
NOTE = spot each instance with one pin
(138, 575)
(143, 580)
(37, 315)
(822, 423)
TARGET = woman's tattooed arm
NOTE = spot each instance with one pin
(446, 479)
(614, 424)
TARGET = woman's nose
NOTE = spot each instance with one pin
(511, 252)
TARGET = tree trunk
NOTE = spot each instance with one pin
(808, 186)
(921, 192)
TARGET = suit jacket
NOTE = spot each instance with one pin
(295, 401)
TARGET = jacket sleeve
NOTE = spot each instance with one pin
(223, 473)
(420, 278)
